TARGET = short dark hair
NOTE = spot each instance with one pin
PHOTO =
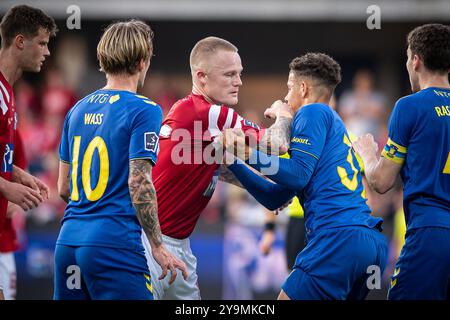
(431, 42)
(24, 20)
(318, 66)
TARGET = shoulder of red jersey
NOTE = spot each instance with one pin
(6, 95)
(214, 117)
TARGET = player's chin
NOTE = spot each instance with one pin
(232, 100)
(35, 68)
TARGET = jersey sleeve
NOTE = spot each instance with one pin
(400, 125)
(222, 117)
(309, 131)
(270, 195)
(20, 159)
(64, 154)
(145, 127)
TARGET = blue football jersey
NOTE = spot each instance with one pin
(419, 140)
(334, 195)
(101, 134)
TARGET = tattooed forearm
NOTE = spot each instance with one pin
(226, 175)
(143, 197)
(278, 135)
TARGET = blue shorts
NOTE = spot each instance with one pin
(101, 273)
(423, 268)
(336, 265)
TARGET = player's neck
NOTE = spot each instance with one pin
(429, 80)
(316, 99)
(9, 66)
(200, 92)
(122, 82)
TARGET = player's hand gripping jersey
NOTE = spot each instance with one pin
(185, 176)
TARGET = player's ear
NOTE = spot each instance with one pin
(303, 89)
(416, 62)
(19, 41)
(141, 65)
(201, 76)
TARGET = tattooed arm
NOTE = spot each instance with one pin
(226, 175)
(143, 197)
(276, 139)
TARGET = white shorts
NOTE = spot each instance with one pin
(180, 289)
(8, 275)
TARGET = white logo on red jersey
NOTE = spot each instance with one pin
(4, 98)
(3, 104)
(165, 132)
(7, 165)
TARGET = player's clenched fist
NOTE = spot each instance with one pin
(365, 146)
(277, 109)
(234, 142)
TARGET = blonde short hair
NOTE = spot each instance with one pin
(123, 45)
(207, 47)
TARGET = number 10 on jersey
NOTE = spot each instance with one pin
(96, 144)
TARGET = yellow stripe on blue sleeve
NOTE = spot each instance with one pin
(312, 155)
(150, 102)
(146, 100)
(394, 152)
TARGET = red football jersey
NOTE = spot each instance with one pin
(8, 123)
(8, 236)
(186, 174)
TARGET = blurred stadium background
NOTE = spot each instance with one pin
(268, 34)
